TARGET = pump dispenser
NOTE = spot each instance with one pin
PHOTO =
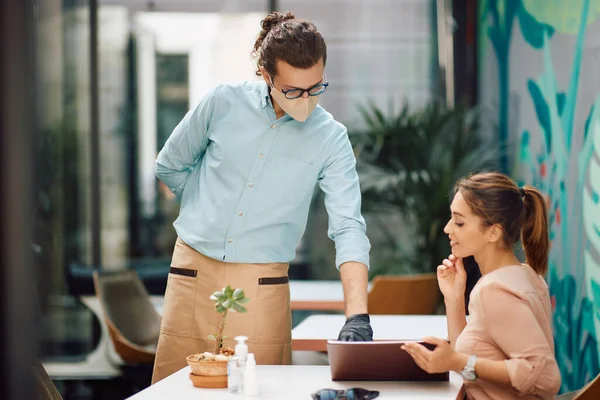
(241, 350)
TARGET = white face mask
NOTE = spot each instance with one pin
(299, 109)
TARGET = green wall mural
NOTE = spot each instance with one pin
(561, 160)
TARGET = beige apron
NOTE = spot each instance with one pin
(189, 315)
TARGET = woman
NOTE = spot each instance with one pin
(506, 349)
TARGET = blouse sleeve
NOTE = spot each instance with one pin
(515, 330)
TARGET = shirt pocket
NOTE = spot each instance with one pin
(289, 180)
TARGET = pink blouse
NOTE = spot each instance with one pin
(510, 320)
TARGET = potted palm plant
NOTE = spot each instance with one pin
(408, 162)
(209, 369)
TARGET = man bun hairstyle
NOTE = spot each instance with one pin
(285, 38)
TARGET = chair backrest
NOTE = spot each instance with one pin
(591, 391)
(127, 306)
(410, 294)
(46, 389)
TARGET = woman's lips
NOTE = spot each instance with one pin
(453, 243)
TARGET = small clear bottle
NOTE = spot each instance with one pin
(234, 375)
(250, 377)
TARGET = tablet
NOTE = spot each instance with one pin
(376, 361)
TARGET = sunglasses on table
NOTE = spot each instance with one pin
(345, 394)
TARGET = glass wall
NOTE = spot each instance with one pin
(62, 189)
(155, 60)
(179, 57)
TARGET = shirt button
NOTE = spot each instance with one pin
(251, 184)
(230, 240)
(240, 213)
(273, 126)
(261, 155)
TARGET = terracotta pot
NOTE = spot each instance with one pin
(207, 368)
(209, 382)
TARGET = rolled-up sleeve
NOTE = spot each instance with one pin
(186, 145)
(339, 182)
(514, 328)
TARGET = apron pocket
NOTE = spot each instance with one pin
(178, 311)
(273, 316)
(273, 281)
(185, 272)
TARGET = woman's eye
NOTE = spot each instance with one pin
(459, 224)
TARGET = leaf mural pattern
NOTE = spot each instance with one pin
(552, 167)
(576, 353)
(573, 17)
(563, 15)
(497, 21)
(590, 156)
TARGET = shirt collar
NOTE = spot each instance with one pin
(264, 95)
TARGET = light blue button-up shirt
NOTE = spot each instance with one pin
(245, 178)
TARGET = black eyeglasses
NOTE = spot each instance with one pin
(292, 94)
(348, 394)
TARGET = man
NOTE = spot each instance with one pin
(244, 163)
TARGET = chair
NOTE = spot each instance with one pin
(45, 387)
(132, 320)
(591, 391)
(153, 272)
(410, 294)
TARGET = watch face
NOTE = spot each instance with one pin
(469, 375)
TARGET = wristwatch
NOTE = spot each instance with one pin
(468, 372)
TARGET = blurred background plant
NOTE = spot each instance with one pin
(408, 162)
(54, 227)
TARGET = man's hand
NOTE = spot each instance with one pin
(357, 329)
(355, 280)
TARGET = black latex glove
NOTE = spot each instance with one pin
(357, 329)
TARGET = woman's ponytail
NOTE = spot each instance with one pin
(534, 234)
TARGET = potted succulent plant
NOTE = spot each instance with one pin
(210, 369)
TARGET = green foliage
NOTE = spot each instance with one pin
(408, 163)
(55, 179)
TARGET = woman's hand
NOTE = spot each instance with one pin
(442, 359)
(452, 278)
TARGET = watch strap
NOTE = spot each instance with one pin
(471, 361)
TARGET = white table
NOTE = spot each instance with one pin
(312, 333)
(317, 295)
(298, 382)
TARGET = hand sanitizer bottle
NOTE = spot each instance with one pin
(250, 377)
